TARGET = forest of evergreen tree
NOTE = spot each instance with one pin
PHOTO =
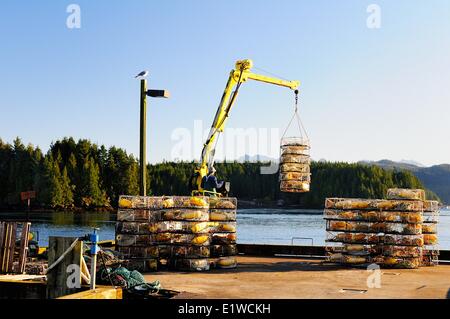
(84, 175)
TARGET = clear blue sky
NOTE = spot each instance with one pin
(367, 94)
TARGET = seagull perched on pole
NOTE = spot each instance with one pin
(141, 75)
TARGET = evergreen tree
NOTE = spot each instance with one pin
(91, 193)
(85, 175)
(5, 163)
(50, 188)
(66, 189)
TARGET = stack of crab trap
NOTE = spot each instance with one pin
(176, 232)
(295, 176)
(184, 240)
(170, 232)
(430, 255)
(222, 216)
(135, 236)
(387, 232)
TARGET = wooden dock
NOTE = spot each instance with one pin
(265, 271)
(101, 292)
(305, 278)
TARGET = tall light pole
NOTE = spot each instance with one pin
(143, 130)
(143, 141)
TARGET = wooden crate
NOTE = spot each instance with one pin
(13, 248)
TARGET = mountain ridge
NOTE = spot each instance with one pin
(436, 177)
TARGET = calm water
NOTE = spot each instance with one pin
(261, 226)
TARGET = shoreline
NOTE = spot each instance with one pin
(242, 204)
(56, 210)
(6, 211)
(111, 210)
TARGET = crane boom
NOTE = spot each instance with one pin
(241, 73)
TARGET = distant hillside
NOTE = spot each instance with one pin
(85, 175)
(436, 178)
(255, 158)
(412, 163)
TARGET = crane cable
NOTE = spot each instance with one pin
(270, 73)
(299, 120)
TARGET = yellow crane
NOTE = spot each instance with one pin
(240, 74)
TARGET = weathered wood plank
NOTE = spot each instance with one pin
(23, 252)
(85, 274)
(14, 278)
(98, 293)
(12, 247)
(3, 248)
(57, 283)
(9, 252)
(85, 279)
(6, 248)
(2, 236)
(2, 243)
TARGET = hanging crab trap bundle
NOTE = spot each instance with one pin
(295, 175)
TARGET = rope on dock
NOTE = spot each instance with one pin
(72, 246)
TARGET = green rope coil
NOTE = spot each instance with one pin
(133, 279)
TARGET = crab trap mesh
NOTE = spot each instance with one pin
(295, 161)
(175, 231)
(398, 232)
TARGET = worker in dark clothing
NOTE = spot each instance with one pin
(211, 183)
